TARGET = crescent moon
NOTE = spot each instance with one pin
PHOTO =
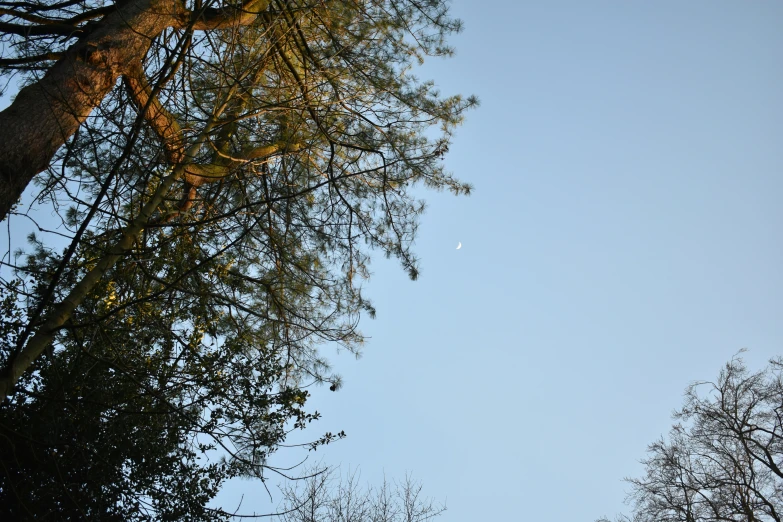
(459, 245)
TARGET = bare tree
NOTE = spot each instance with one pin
(722, 460)
(328, 496)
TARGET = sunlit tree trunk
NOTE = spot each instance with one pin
(46, 113)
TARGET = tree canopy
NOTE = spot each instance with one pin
(221, 173)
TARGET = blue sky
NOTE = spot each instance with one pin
(623, 241)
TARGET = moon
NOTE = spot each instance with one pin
(459, 245)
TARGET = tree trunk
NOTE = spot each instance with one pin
(48, 112)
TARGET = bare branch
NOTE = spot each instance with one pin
(7, 62)
(41, 30)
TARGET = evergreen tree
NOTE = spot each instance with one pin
(222, 172)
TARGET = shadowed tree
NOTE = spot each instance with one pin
(133, 421)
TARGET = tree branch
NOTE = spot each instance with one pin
(228, 16)
(197, 175)
(4, 62)
(41, 30)
(31, 6)
(159, 118)
(42, 20)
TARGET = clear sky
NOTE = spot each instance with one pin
(624, 240)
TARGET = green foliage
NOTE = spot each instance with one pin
(123, 423)
(285, 151)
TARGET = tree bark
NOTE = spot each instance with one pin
(48, 112)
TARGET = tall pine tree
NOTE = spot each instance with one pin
(222, 173)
